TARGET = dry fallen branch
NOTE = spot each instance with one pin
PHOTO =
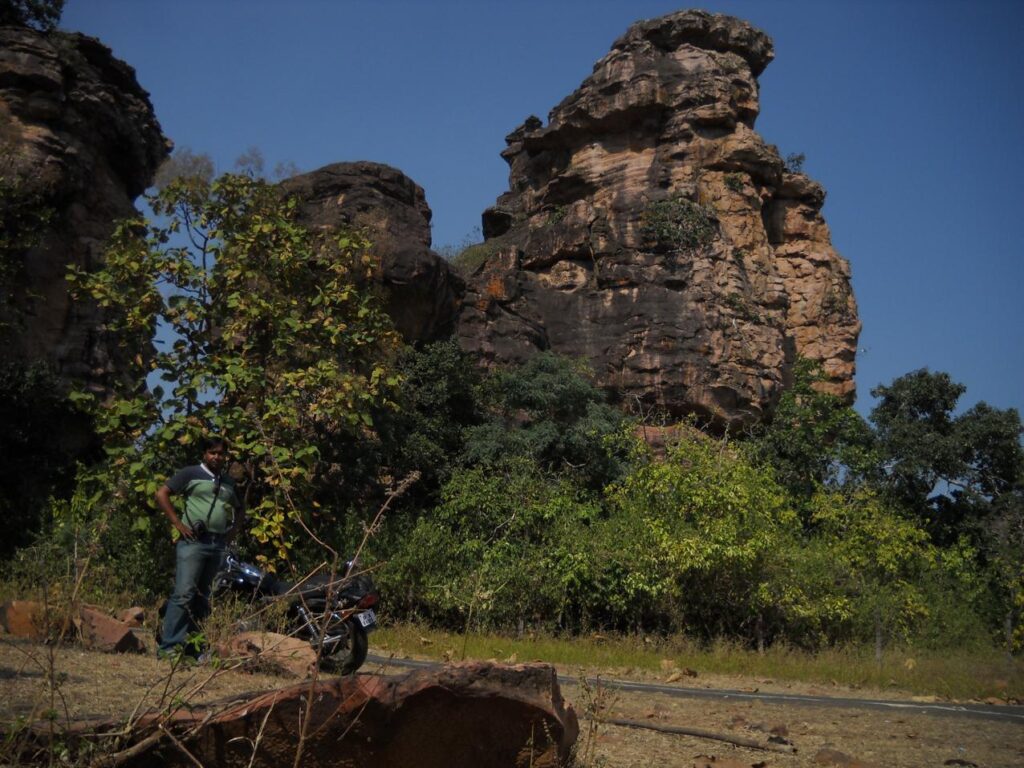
(700, 733)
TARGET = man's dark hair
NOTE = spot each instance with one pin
(214, 441)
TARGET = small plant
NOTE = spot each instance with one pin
(741, 307)
(472, 257)
(734, 181)
(794, 162)
(678, 223)
(557, 214)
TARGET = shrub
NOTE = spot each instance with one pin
(678, 223)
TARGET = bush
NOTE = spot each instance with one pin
(677, 224)
(504, 548)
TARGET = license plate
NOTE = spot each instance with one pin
(367, 618)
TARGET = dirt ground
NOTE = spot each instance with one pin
(95, 685)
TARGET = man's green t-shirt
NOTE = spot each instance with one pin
(208, 498)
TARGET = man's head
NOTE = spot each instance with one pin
(215, 452)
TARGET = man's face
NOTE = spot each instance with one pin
(215, 457)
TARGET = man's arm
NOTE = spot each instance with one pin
(163, 500)
(239, 518)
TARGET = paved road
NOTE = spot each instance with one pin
(1001, 713)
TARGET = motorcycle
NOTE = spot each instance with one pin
(333, 616)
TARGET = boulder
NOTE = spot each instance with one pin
(471, 715)
(421, 292)
(103, 632)
(134, 617)
(650, 230)
(270, 651)
(23, 618)
(78, 143)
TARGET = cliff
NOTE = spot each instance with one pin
(78, 142)
(651, 231)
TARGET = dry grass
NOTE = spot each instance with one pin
(111, 686)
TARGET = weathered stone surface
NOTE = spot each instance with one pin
(134, 617)
(592, 253)
(22, 618)
(474, 715)
(420, 290)
(103, 632)
(77, 130)
(271, 651)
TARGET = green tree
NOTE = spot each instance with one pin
(39, 14)
(265, 336)
(814, 439)
(948, 470)
(715, 525)
(549, 409)
(504, 548)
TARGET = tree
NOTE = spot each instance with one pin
(947, 470)
(264, 335)
(549, 409)
(43, 15)
(814, 439)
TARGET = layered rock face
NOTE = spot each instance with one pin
(651, 231)
(77, 135)
(420, 290)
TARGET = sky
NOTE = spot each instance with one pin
(909, 112)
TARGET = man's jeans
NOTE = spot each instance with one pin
(197, 564)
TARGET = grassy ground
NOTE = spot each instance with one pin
(957, 675)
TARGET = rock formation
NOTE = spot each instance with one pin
(420, 291)
(475, 715)
(649, 230)
(78, 138)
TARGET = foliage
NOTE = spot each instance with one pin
(711, 531)
(678, 223)
(503, 547)
(43, 15)
(43, 436)
(266, 338)
(794, 162)
(440, 399)
(25, 211)
(814, 439)
(734, 181)
(549, 409)
(185, 166)
(948, 471)
(471, 257)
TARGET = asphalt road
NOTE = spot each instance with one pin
(1003, 713)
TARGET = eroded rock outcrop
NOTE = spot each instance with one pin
(421, 293)
(474, 715)
(650, 230)
(78, 136)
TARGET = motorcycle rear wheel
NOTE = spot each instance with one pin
(349, 656)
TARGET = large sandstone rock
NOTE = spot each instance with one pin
(472, 715)
(420, 291)
(650, 230)
(78, 132)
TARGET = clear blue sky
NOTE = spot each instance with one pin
(910, 113)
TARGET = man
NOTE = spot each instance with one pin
(212, 513)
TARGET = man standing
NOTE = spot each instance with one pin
(212, 513)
